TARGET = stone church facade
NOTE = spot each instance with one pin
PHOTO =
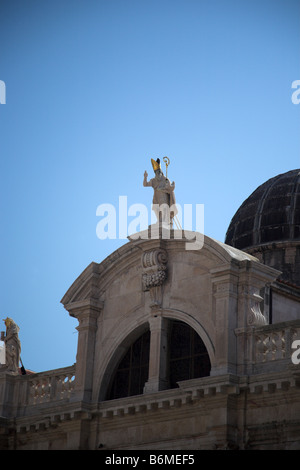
(177, 349)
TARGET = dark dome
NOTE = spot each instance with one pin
(267, 225)
(270, 214)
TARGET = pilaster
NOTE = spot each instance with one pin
(87, 313)
(225, 280)
(157, 377)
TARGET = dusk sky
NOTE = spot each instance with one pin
(94, 90)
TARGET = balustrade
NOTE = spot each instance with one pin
(273, 342)
(267, 347)
(55, 385)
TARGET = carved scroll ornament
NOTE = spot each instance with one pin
(154, 263)
(154, 274)
(255, 316)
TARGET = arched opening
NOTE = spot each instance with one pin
(188, 356)
(132, 371)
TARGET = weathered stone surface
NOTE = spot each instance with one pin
(216, 291)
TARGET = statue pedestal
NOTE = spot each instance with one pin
(9, 381)
(4, 369)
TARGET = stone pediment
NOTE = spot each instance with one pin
(213, 255)
(84, 287)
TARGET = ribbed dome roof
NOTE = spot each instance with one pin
(270, 214)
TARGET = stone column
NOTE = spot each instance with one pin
(158, 373)
(225, 313)
(87, 313)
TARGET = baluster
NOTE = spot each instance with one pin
(72, 382)
(278, 339)
(32, 392)
(270, 347)
(38, 391)
(47, 389)
(59, 387)
(260, 349)
(69, 384)
(65, 386)
(52, 387)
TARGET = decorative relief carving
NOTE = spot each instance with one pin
(154, 279)
(154, 268)
(154, 263)
(255, 316)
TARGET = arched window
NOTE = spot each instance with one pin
(188, 356)
(132, 372)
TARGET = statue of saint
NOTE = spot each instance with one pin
(164, 204)
(12, 345)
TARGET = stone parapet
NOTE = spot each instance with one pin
(266, 348)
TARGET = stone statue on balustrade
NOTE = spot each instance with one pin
(164, 204)
(12, 345)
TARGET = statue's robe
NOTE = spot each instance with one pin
(12, 347)
(163, 194)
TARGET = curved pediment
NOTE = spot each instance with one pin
(84, 286)
(115, 269)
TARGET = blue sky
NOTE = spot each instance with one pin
(94, 90)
